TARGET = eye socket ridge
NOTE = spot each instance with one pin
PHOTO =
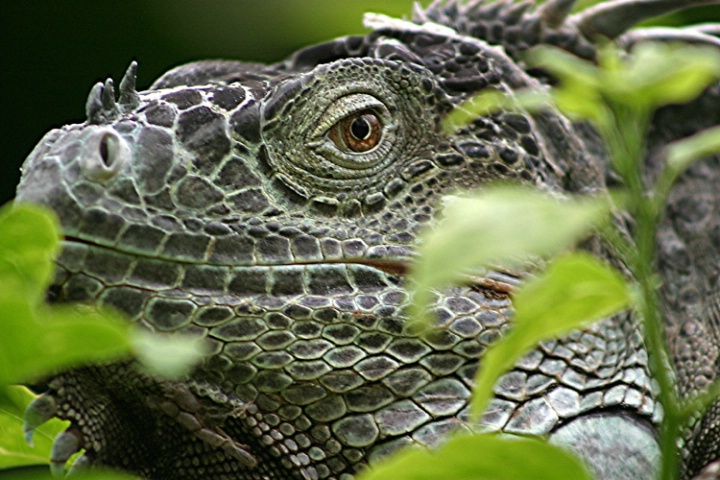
(352, 124)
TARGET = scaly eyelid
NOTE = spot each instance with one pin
(346, 106)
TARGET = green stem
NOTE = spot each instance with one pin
(699, 402)
(626, 145)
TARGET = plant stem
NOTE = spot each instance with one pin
(627, 146)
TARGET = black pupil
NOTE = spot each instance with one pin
(360, 128)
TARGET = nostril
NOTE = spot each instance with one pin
(107, 149)
(104, 154)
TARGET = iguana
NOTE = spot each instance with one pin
(273, 210)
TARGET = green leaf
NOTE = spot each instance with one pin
(655, 74)
(13, 449)
(168, 355)
(658, 73)
(476, 106)
(15, 453)
(36, 343)
(579, 104)
(29, 239)
(579, 93)
(576, 290)
(36, 340)
(480, 457)
(567, 67)
(501, 224)
(682, 153)
(95, 474)
(492, 101)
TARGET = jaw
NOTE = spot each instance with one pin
(310, 363)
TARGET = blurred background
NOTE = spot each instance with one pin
(53, 51)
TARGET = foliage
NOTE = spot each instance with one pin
(576, 290)
(14, 451)
(618, 95)
(482, 457)
(37, 340)
(452, 249)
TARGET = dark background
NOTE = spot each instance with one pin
(53, 51)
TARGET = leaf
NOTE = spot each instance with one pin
(36, 340)
(34, 344)
(16, 453)
(567, 67)
(579, 93)
(492, 101)
(682, 153)
(576, 290)
(579, 104)
(37, 473)
(476, 106)
(29, 239)
(480, 457)
(13, 449)
(658, 73)
(655, 74)
(501, 224)
(168, 355)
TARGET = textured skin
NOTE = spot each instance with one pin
(218, 204)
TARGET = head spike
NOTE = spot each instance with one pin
(452, 8)
(611, 19)
(472, 7)
(516, 11)
(554, 12)
(100, 105)
(418, 14)
(129, 97)
(108, 96)
(94, 106)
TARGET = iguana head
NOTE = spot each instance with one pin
(273, 210)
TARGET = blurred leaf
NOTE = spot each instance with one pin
(655, 74)
(29, 239)
(37, 343)
(501, 224)
(480, 457)
(658, 73)
(579, 104)
(683, 152)
(484, 103)
(579, 93)
(492, 101)
(567, 67)
(40, 473)
(36, 340)
(13, 449)
(168, 355)
(576, 290)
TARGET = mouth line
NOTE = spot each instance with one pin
(497, 281)
(397, 267)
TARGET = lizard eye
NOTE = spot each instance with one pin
(358, 133)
